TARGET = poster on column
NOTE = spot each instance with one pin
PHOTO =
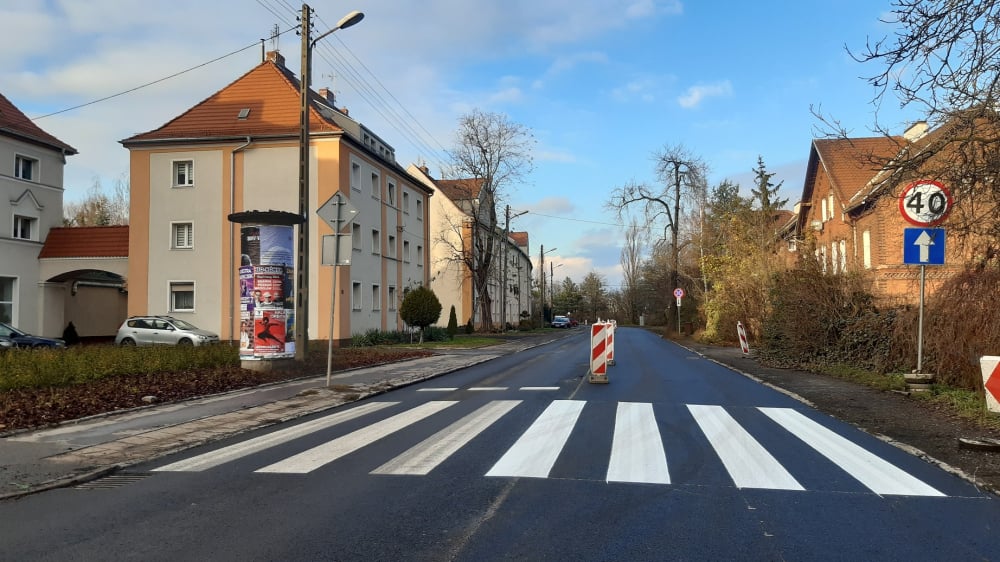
(266, 286)
(269, 332)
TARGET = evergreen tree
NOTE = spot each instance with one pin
(420, 308)
(766, 192)
(452, 323)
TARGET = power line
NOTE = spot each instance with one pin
(578, 220)
(147, 84)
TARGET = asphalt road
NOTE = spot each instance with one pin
(520, 458)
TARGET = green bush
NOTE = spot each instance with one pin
(452, 323)
(38, 368)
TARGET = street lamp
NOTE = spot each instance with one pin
(541, 271)
(552, 280)
(302, 271)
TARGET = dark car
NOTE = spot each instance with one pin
(560, 322)
(12, 337)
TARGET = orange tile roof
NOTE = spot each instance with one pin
(520, 238)
(851, 163)
(271, 93)
(460, 190)
(16, 123)
(86, 242)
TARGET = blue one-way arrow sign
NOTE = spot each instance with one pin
(923, 246)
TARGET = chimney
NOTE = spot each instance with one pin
(916, 131)
(276, 58)
(343, 110)
(423, 168)
(328, 95)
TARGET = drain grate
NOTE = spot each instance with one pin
(113, 481)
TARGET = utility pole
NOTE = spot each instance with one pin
(302, 266)
(504, 282)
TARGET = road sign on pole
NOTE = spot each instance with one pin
(991, 381)
(925, 203)
(338, 212)
(923, 246)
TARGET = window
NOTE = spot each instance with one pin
(391, 194)
(831, 206)
(392, 298)
(355, 176)
(391, 250)
(834, 260)
(7, 299)
(376, 297)
(181, 235)
(376, 242)
(356, 295)
(420, 256)
(181, 296)
(406, 251)
(406, 202)
(24, 227)
(824, 210)
(25, 168)
(183, 173)
(420, 212)
(843, 256)
(376, 191)
(356, 236)
(866, 243)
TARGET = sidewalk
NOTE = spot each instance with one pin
(89, 448)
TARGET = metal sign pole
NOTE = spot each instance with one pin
(333, 296)
(920, 323)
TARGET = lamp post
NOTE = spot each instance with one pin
(302, 258)
(552, 279)
(541, 294)
(505, 284)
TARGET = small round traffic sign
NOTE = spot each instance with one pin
(678, 292)
(925, 203)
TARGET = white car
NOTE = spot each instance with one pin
(162, 330)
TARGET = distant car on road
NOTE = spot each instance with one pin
(12, 337)
(560, 322)
(162, 330)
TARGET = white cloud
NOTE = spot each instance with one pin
(553, 206)
(695, 94)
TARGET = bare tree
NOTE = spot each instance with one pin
(681, 175)
(98, 208)
(632, 261)
(491, 156)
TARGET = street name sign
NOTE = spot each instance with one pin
(923, 246)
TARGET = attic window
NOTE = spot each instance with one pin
(243, 113)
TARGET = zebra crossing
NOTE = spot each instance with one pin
(639, 452)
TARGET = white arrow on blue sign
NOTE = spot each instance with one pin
(923, 246)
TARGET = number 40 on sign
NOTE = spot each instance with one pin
(925, 203)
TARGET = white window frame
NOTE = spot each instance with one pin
(376, 242)
(406, 202)
(392, 297)
(356, 295)
(420, 255)
(22, 223)
(175, 230)
(376, 296)
(22, 162)
(175, 169)
(823, 205)
(376, 186)
(175, 289)
(843, 256)
(406, 251)
(866, 244)
(391, 250)
(420, 209)
(391, 192)
(8, 308)
(356, 176)
(356, 240)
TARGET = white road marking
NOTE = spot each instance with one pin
(536, 451)
(239, 450)
(748, 462)
(539, 388)
(443, 389)
(428, 454)
(310, 460)
(637, 450)
(488, 388)
(874, 472)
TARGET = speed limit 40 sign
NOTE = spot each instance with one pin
(925, 203)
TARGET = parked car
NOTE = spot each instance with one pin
(560, 322)
(12, 337)
(162, 330)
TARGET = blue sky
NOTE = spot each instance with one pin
(602, 84)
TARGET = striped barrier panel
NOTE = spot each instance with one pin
(599, 353)
(612, 326)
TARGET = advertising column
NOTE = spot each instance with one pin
(266, 297)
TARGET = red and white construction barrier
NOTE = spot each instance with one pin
(991, 381)
(599, 352)
(743, 338)
(612, 326)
